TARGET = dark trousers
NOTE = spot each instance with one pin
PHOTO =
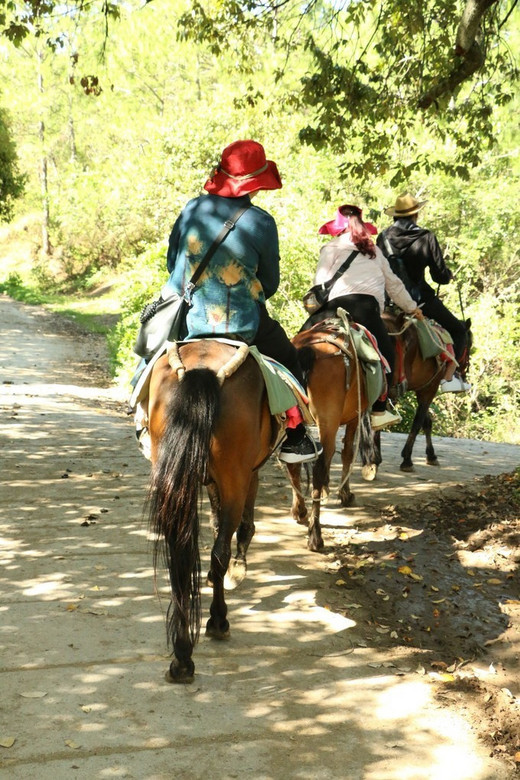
(436, 310)
(365, 310)
(273, 341)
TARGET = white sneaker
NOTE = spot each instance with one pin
(454, 385)
(384, 419)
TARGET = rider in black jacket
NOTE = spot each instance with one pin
(419, 250)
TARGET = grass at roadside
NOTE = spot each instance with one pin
(96, 312)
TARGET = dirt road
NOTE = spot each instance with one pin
(312, 684)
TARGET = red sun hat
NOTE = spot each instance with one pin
(243, 169)
(340, 222)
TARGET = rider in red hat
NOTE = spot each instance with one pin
(229, 300)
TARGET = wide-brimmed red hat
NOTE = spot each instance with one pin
(337, 225)
(243, 168)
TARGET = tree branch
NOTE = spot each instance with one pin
(468, 47)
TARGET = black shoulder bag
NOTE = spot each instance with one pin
(163, 319)
(318, 295)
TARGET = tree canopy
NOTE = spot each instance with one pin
(381, 78)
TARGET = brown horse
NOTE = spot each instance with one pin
(423, 377)
(204, 431)
(337, 394)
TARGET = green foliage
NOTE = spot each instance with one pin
(11, 180)
(125, 153)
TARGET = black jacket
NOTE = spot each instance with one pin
(419, 250)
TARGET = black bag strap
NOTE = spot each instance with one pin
(341, 270)
(229, 224)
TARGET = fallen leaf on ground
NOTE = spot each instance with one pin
(33, 694)
(7, 742)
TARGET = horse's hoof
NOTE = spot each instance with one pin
(179, 674)
(409, 469)
(346, 500)
(302, 519)
(369, 472)
(215, 632)
(235, 574)
(432, 462)
(315, 545)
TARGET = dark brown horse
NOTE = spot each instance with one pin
(423, 377)
(337, 394)
(204, 431)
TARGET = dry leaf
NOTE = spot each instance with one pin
(7, 742)
(416, 577)
(494, 581)
(70, 743)
(404, 570)
(71, 607)
(340, 582)
(438, 601)
(33, 694)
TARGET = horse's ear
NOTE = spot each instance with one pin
(468, 323)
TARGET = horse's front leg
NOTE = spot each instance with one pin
(418, 422)
(237, 569)
(298, 508)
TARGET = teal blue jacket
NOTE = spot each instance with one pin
(241, 275)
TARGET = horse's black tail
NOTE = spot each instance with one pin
(179, 471)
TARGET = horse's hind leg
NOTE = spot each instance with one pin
(298, 508)
(233, 493)
(345, 495)
(431, 457)
(182, 668)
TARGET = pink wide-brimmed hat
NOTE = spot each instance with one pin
(243, 168)
(340, 221)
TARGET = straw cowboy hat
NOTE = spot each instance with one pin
(337, 225)
(243, 169)
(405, 206)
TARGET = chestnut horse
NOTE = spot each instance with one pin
(423, 377)
(204, 431)
(337, 394)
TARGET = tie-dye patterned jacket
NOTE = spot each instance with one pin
(243, 272)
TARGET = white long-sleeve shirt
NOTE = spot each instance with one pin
(365, 276)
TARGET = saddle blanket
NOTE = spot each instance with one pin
(283, 390)
(434, 341)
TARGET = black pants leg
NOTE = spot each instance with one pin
(436, 310)
(272, 340)
(365, 310)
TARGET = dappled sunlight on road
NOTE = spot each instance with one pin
(297, 691)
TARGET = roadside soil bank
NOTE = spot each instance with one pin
(393, 655)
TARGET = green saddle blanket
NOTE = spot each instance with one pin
(433, 339)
